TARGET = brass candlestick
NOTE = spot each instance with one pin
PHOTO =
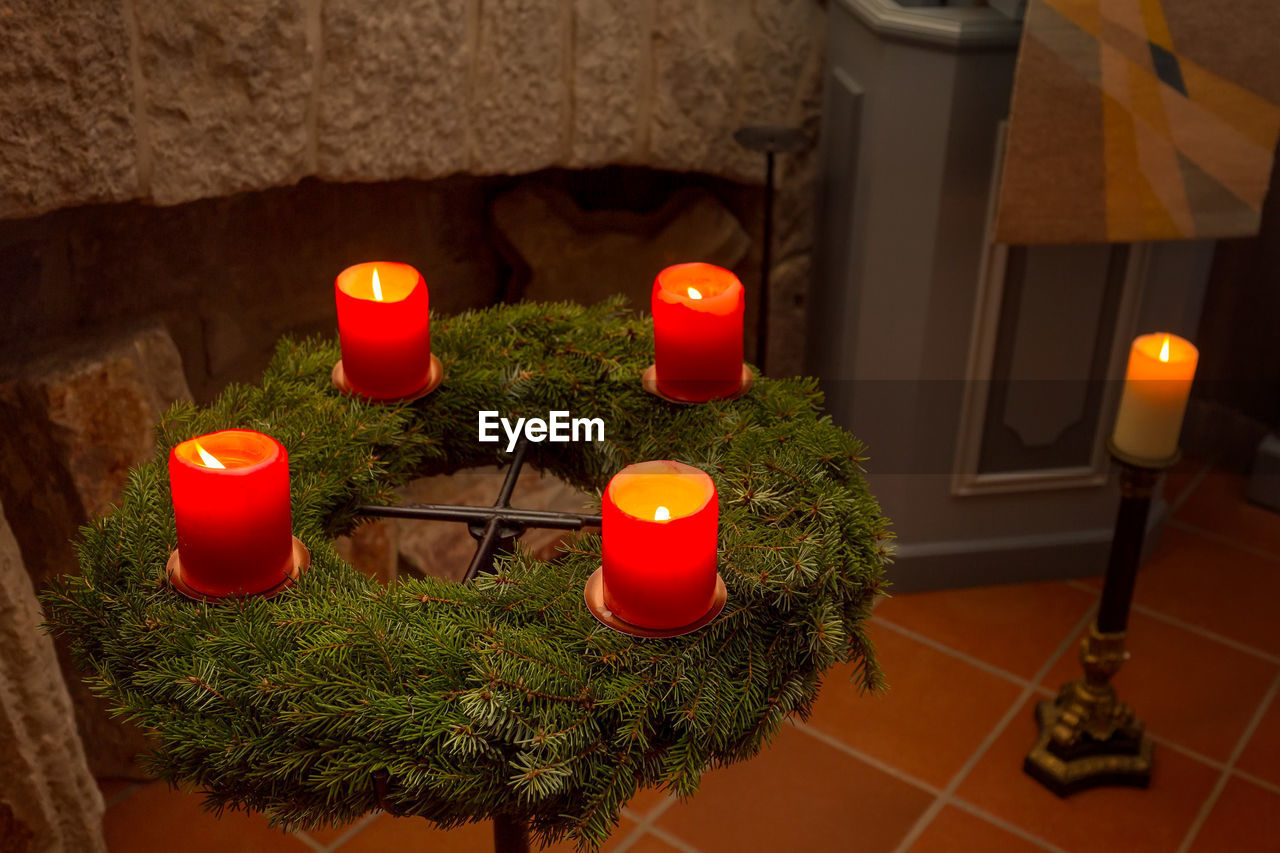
(1088, 737)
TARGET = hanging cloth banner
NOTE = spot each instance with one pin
(1141, 120)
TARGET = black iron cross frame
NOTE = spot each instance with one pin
(495, 529)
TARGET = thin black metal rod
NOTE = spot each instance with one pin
(475, 514)
(482, 560)
(513, 474)
(766, 261)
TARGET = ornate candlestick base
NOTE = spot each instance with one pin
(1087, 736)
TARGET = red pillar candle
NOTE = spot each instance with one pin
(697, 332)
(384, 329)
(231, 504)
(659, 526)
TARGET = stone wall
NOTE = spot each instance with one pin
(72, 425)
(48, 800)
(148, 99)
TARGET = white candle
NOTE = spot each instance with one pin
(1157, 384)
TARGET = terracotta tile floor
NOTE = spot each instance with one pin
(935, 764)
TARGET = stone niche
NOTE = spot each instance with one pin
(228, 276)
(179, 185)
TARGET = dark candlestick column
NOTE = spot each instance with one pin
(1088, 737)
(1126, 548)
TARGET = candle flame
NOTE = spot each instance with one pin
(694, 294)
(1164, 350)
(210, 461)
(377, 286)
(662, 514)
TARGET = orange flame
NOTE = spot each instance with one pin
(210, 461)
(662, 514)
(694, 293)
(1164, 350)
(377, 286)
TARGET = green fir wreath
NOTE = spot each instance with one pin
(505, 696)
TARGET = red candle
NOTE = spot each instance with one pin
(697, 332)
(659, 526)
(384, 329)
(231, 503)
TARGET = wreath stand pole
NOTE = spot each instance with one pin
(770, 140)
(510, 835)
(1088, 737)
(495, 529)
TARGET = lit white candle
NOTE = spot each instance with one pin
(1157, 384)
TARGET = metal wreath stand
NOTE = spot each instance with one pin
(495, 529)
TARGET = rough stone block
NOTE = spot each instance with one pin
(609, 49)
(392, 96)
(71, 427)
(47, 795)
(520, 100)
(371, 548)
(66, 107)
(695, 71)
(226, 90)
(565, 253)
(779, 57)
(75, 423)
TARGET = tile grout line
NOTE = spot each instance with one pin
(975, 662)
(945, 797)
(970, 659)
(1210, 801)
(1190, 627)
(853, 752)
(1196, 479)
(1204, 533)
(355, 829)
(1207, 634)
(305, 837)
(902, 775)
(647, 824)
(1260, 782)
(676, 842)
(1186, 752)
(122, 795)
(1011, 828)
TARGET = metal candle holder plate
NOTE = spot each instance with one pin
(649, 381)
(300, 562)
(435, 375)
(594, 595)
